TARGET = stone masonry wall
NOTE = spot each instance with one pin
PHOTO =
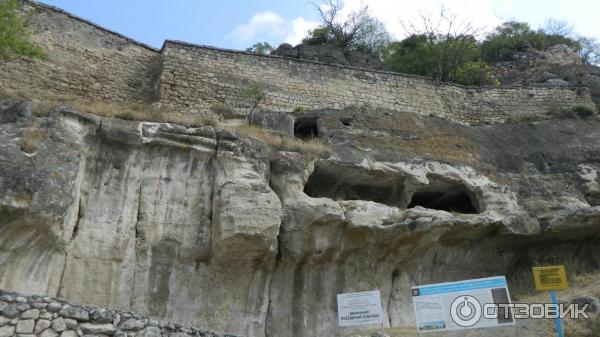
(198, 78)
(90, 63)
(37, 316)
(84, 61)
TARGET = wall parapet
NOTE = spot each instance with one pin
(96, 64)
(23, 315)
(87, 22)
(197, 78)
(341, 66)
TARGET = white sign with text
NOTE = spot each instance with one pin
(461, 305)
(362, 308)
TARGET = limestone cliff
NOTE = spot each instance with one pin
(219, 228)
(208, 227)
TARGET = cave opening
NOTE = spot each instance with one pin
(348, 183)
(449, 197)
(306, 128)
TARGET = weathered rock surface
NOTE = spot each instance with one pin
(557, 65)
(23, 325)
(328, 53)
(206, 227)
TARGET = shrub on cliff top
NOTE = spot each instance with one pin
(355, 31)
(14, 34)
(581, 111)
(512, 37)
(260, 48)
(476, 73)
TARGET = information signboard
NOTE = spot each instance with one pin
(461, 305)
(362, 308)
(550, 278)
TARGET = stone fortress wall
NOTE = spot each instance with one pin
(89, 62)
(31, 316)
(84, 61)
(199, 77)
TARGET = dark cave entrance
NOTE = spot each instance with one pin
(340, 182)
(306, 128)
(449, 197)
(349, 183)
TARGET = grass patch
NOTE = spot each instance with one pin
(144, 112)
(278, 142)
(521, 283)
(32, 138)
(224, 110)
(522, 119)
(577, 111)
(141, 112)
(299, 109)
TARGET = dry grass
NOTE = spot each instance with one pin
(32, 138)
(138, 111)
(145, 112)
(280, 143)
(413, 134)
(521, 281)
(141, 112)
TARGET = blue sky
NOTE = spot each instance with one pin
(238, 24)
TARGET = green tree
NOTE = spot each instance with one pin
(512, 37)
(437, 50)
(255, 93)
(355, 31)
(260, 48)
(590, 50)
(476, 73)
(14, 34)
(414, 55)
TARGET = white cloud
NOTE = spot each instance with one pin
(393, 13)
(482, 14)
(299, 28)
(263, 24)
(270, 27)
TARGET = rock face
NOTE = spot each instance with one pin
(328, 53)
(557, 65)
(86, 320)
(207, 227)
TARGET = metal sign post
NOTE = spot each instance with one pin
(557, 322)
(552, 278)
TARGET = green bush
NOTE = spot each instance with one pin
(414, 55)
(255, 93)
(581, 111)
(14, 34)
(223, 110)
(356, 31)
(512, 37)
(476, 73)
(260, 48)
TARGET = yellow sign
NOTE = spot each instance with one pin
(550, 278)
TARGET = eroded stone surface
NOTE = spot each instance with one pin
(207, 227)
(24, 326)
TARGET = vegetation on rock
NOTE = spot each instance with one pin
(260, 48)
(255, 93)
(14, 34)
(449, 50)
(357, 32)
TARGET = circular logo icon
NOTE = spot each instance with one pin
(465, 311)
